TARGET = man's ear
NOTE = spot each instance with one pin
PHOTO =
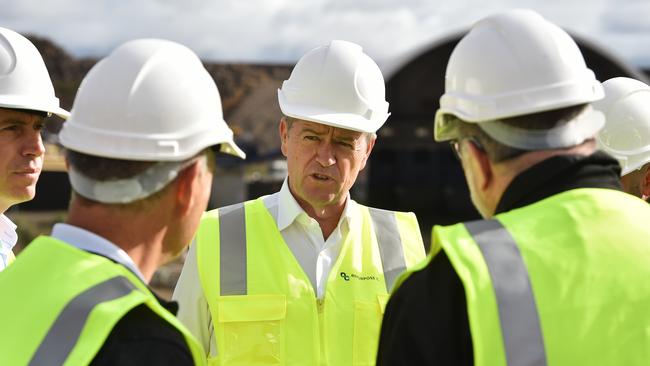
(481, 166)
(283, 129)
(645, 183)
(186, 186)
(370, 145)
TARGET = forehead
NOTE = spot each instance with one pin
(13, 116)
(321, 128)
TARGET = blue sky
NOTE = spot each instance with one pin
(282, 30)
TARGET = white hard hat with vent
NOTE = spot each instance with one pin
(336, 85)
(512, 64)
(626, 134)
(24, 80)
(149, 100)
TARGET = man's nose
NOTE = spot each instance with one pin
(325, 154)
(33, 144)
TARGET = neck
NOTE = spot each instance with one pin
(327, 216)
(506, 171)
(140, 236)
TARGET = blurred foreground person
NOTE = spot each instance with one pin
(626, 134)
(139, 152)
(301, 277)
(26, 99)
(557, 272)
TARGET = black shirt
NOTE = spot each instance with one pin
(142, 337)
(426, 321)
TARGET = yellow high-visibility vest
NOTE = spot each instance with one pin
(563, 281)
(61, 304)
(263, 305)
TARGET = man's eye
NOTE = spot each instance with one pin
(311, 138)
(9, 128)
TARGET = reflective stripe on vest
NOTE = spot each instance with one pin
(64, 333)
(518, 316)
(232, 238)
(390, 244)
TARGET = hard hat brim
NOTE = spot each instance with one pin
(171, 147)
(229, 147)
(60, 112)
(34, 107)
(444, 128)
(474, 108)
(630, 160)
(347, 121)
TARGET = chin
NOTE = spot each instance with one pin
(318, 196)
(320, 200)
(24, 195)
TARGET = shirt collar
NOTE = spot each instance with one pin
(90, 242)
(289, 210)
(559, 174)
(8, 235)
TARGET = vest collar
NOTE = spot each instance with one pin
(93, 243)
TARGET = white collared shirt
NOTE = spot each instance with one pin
(303, 236)
(8, 239)
(91, 242)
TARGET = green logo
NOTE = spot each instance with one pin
(350, 276)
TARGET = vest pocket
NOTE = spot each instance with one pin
(251, 329)
(367, 325)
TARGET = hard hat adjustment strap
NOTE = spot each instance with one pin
(583, 127)
(143, 185)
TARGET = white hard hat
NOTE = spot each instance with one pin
(149, 100)
(336, 85)
(626, 135)
(24, 80)
(517, 63)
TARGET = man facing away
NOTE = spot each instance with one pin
(557, 272)
(626, 135)
(139, 152)
(26, 99)
(301, 277)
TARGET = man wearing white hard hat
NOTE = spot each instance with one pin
(26, 99)
(139, 149)
(301, 277)
(557, 271)
(626, 135)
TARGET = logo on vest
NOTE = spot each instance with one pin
(350, 276)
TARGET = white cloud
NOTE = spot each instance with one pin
(283, 30)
